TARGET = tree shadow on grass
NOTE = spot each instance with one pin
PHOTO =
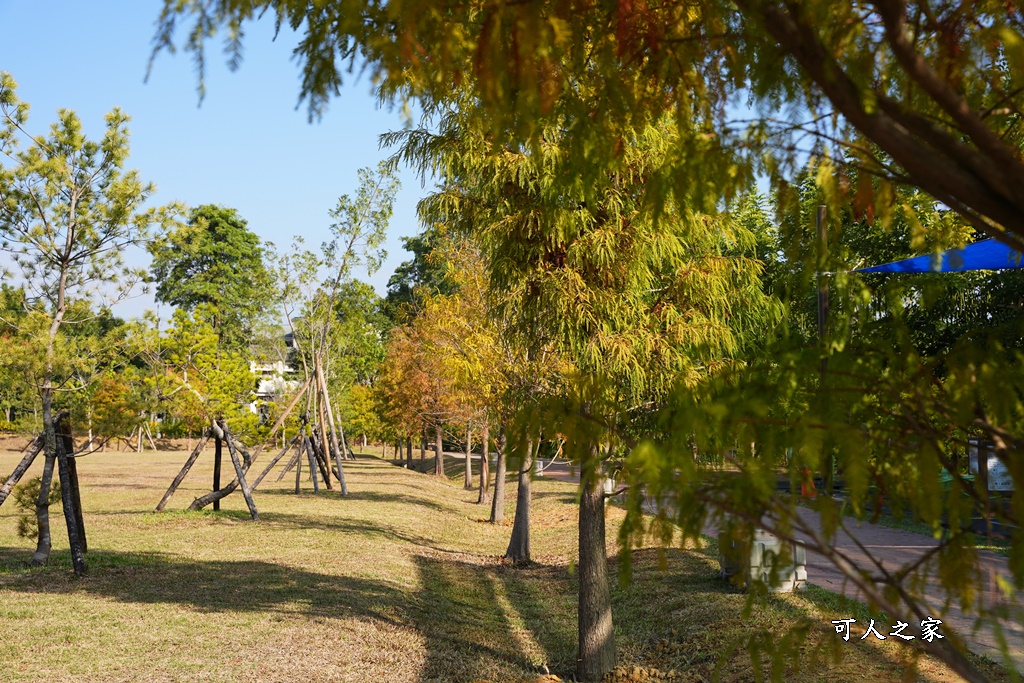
(677, 613)
(468, 616)
(496, 626)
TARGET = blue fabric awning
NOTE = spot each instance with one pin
(985, 255)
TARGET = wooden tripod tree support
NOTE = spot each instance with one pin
(266, 470)
(312, 468)
(295, 459)
(30, 455)
(71, 499)
(203, 501)
(184, 470)
(239, 473)
(218, 454)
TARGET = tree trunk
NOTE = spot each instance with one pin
(467, 482)
(596, 638)
(320, 457)
(334, 438)
(42, 553)
(43, 542)
(439, 452)
(218, 454)
(519, 544)
(324, 453)
(485, 466)
(408, 449)
(498, 503)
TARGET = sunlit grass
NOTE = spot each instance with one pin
(401, 581)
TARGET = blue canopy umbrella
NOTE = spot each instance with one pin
(985, 255)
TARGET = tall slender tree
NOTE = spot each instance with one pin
(68, 212)
(636, 295)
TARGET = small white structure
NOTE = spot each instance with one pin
(766, 554)
(271, 383)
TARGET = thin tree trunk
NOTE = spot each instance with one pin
(596, 655)
(485, 467)
(43, 541)
(19, 471)
(498, 502)
(439, 451)
(181, 475)
(218, 449)
(423, 449)
(467, 482)
(42, 553)
(330, 417)
(324, 452)
(519, 544)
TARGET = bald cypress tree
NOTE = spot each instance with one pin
(637, 294)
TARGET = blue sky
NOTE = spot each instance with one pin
(246, 146)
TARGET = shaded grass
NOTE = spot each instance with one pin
(401, 581)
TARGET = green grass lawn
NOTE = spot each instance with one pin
(401, 581)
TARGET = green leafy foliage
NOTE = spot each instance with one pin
(25, 497)
(215, 260)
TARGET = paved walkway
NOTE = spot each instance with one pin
(896, 548)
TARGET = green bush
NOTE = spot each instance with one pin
(25, 497)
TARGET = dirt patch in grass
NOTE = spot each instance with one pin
(398, 582)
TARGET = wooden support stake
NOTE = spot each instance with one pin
(282, 418)
(64, 433)
(312, 467)
(294, 459)
(239, 473)
(298, 462)
(217, 456)
(323, 454)
(184, 470)
(334, 440)
(72, 516)
(322, 464)
(30, 455)
(273, 462)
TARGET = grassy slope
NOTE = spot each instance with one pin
(401, 581)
